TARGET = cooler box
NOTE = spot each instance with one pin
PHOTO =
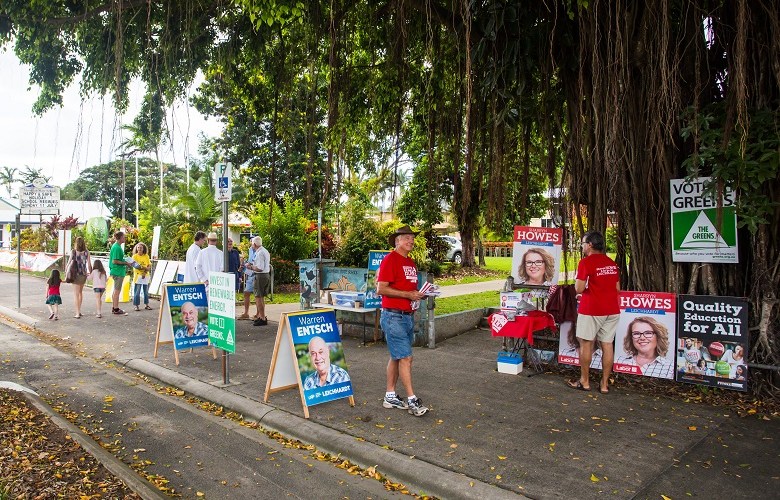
(347, 299)
(510, 363)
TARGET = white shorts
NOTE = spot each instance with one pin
(601, 328)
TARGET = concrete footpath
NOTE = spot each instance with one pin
(488, 435)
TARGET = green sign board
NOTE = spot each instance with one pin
(704, 226)
(222, 311)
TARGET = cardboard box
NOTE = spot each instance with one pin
(510, 363)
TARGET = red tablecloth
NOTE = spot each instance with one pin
(522, 327)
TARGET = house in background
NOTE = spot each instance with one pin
(82, 210)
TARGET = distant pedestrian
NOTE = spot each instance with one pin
(210, 260)
(53, 299)
(141, 276)
(82, 266)
(598, 283)
(99, 280)
(234, 262)
(261, 265)
(190, 276)
(397, 284)
(117, 268)
(249, 279)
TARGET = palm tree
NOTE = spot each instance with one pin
(196, 208)
(29, 174)
(7, 179)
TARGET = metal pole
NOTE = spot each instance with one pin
(136, 192)
(19, 260)
(319, 234)
(225, 267)
(431, 319)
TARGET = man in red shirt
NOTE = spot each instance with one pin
(397, 284)
(598, 283)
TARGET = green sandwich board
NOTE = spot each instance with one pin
(222, 311)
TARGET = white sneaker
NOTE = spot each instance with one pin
(394, 402)
(416, 408)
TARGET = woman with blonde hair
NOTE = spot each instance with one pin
(536, 267)
(81, 268)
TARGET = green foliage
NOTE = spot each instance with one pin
(284, 230)
(285, 271)
(359, 234)
(37, 239)
(750, 165)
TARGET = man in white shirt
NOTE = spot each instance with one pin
(209, 260)
(261, 265)
(249, 284)
(192, 256)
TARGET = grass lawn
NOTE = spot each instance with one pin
(447, 305)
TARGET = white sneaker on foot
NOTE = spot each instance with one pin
(416, 407)
(394, 402)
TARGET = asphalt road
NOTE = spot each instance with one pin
(170, 437)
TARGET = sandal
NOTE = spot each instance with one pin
(136, 308)
(603, 391)
(576, 384)
(147, 307)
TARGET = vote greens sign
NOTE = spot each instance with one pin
(222, 311)
(700, 231)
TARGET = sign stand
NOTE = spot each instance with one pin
(284, 372)
(165, 333)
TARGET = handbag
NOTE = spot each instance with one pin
(70, 271)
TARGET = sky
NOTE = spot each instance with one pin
(81, 133)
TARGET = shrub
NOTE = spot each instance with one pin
(285, 236)
(285, 271)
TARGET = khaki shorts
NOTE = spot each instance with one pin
(601, 328)
(262, 284)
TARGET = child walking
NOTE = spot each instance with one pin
(99, 280)
(141, 275)
(53, 299)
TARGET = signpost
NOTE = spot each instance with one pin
(39, 198)
(223, 183)
(223, 192)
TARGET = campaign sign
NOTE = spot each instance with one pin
(222, 311)
(645, 340)
(536, 255)
(320, 355)
(569, 347)
(700, 232)
(189, 315)
(713, 341)
(375, 257)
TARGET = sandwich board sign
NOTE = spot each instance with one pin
(183, 319)
(375, 257)
(222, 311)
(704, 227)
(308, 355)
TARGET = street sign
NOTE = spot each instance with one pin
(39, 198)
(223, 185)
(222, 311)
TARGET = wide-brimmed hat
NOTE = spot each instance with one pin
(401, 230)
(212, 236)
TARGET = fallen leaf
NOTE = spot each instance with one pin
(501, 458)
(691, 427)
(594, 478)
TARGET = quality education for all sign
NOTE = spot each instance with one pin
(700, 232)
(713, 341)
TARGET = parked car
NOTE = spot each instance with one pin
(455, 250)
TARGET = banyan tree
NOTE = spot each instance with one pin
(493, 102)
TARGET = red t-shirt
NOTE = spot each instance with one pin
(401, 273)
(600, 297)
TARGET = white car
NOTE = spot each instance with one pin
(454, 250)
